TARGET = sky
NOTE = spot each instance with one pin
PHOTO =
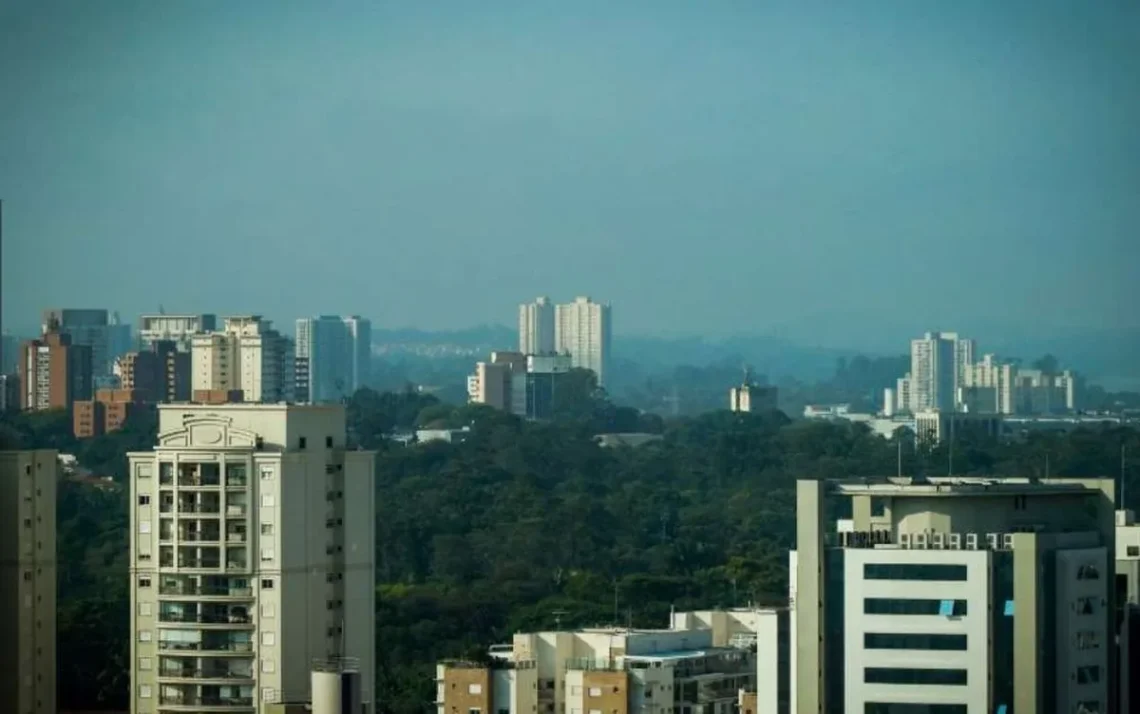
(721, 167)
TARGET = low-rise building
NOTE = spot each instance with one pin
(750, 397)
(108, 411)
(934, 427)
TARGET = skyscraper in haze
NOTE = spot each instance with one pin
(939, 362)
(536, 327)
(582, 330)
(333, 357)
(247, 355)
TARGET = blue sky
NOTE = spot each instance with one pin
(708, 167)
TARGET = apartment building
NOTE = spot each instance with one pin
(934, 427)
(536, 327)
(53, 372)
(1127, 608)
(27, 569)
(583, 329)
(753, 398)
(252, 556)
(521, 384)
(179, 329)
(605, 669)
(247, 354)
(966, 596)
(108, 411)
(161, 371)
(103, 332)
(333, 357)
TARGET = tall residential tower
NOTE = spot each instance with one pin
(583, 330)
(333, 357)
(252, 555)
(536, 327)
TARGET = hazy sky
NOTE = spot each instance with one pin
(708, 167)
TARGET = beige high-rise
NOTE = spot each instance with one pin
(247, 354)
(583, 330)
(28, 573)
(252, 556)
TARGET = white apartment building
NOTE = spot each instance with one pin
(179, 329)
(583, 330)
(937, 367)
(607, 669)
(964, 596)
(536, 327)
(246, 354)
(28, 572)
(333, 357)
(252, 555)
(1005, 388)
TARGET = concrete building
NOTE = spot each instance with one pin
(27, 569)
(161, 372)
(53, 372)
(252, 555)
(108, 411)
(936, 370)
(583, 330)
(1128, 609)
(524, 385)
(247, 355)
(106, 335)
(934, 427)
(333, 357)
(536, 327)
(960, 595)
(605, 669)
(9, 392)
(179, 329)
(753, 398)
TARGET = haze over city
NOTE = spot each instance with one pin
(849, 174)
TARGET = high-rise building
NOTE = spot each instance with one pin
(107, 337)
(583, 330)
(333, 357)
(536, 327)
(53, 371)
(524, 385)
(955, 594)
(27, 569)
(252, 556)
(934, 370)
(179, 329)
(161, 372)
(247, 354)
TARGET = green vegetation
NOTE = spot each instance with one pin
(527, 524)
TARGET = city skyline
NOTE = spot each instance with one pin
(852, 157)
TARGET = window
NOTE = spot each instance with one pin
(595, 711)
(474, 710)
(595, 691)
(267, 501)
(1088, 707)
(1088, 675)
(144, 581)
(266, 554)
(144, 636)
(27, 576)
(1087, 640)
(268, 694)
(269, 639)
(144, 609)
(900, 606)
(266, 529)
(267, 609)
(144, 691)
(267, 583)
(146, 663)
(905, 641)
(1134, 551)
(1088, 572)
(328, 442)
(301, 442)
(899, 675)
(144, 500)
(908, 571)
(1020, 502)
(474, 688)
(268, 666)
(266, 473)
(1085, 605)
(144, 526)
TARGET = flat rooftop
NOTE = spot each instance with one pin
(949, 486)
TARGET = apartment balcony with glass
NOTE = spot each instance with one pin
(193, 666)
(204, 586)
(213, 641)
(235, 531)
(206, 613)
(197, 557)
(199, 531)
(237, 505)
(192, 503)
(237, 476)
(199, 475)
(205, 697)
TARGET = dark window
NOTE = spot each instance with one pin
(899, 675)
(1134, 551)
(144, 500)
(908, 571)
(329, 442)
(895, 708)
(1088, 572)
(898, 606)
(301, 442)
(267, 584)
(1088, 675)
(901, 641)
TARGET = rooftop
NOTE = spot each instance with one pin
(944, 486)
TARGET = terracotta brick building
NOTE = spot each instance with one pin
(53, 372)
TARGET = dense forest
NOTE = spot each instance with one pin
(529, 524)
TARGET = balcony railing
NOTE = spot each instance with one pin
(235, 537)
(216, 590)
(236, 482)
(199, 536)
(196, 701)
(235, 509)
(199, 563)
(206, 646)
(208, 618)
(210, 509)
(206, 673)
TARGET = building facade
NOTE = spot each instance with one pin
(53, 372)
(583, 329)
(28, 569)
(536, 327)
(934, 371)
(252, 556)
(179, 329)
(965, 596)
(108, 411)
(333, 357)
(753, 398)
(246, 355)
(525, 385)
(105, 334)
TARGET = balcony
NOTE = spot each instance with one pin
(212, 672)
(235, 509)
(236, 476)
(208, 507)
(199, 476)
(206, 618)
(235, 536)
(205, 535)
(229, 647)
(191, 700)
(187, 561)
(177, 589)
